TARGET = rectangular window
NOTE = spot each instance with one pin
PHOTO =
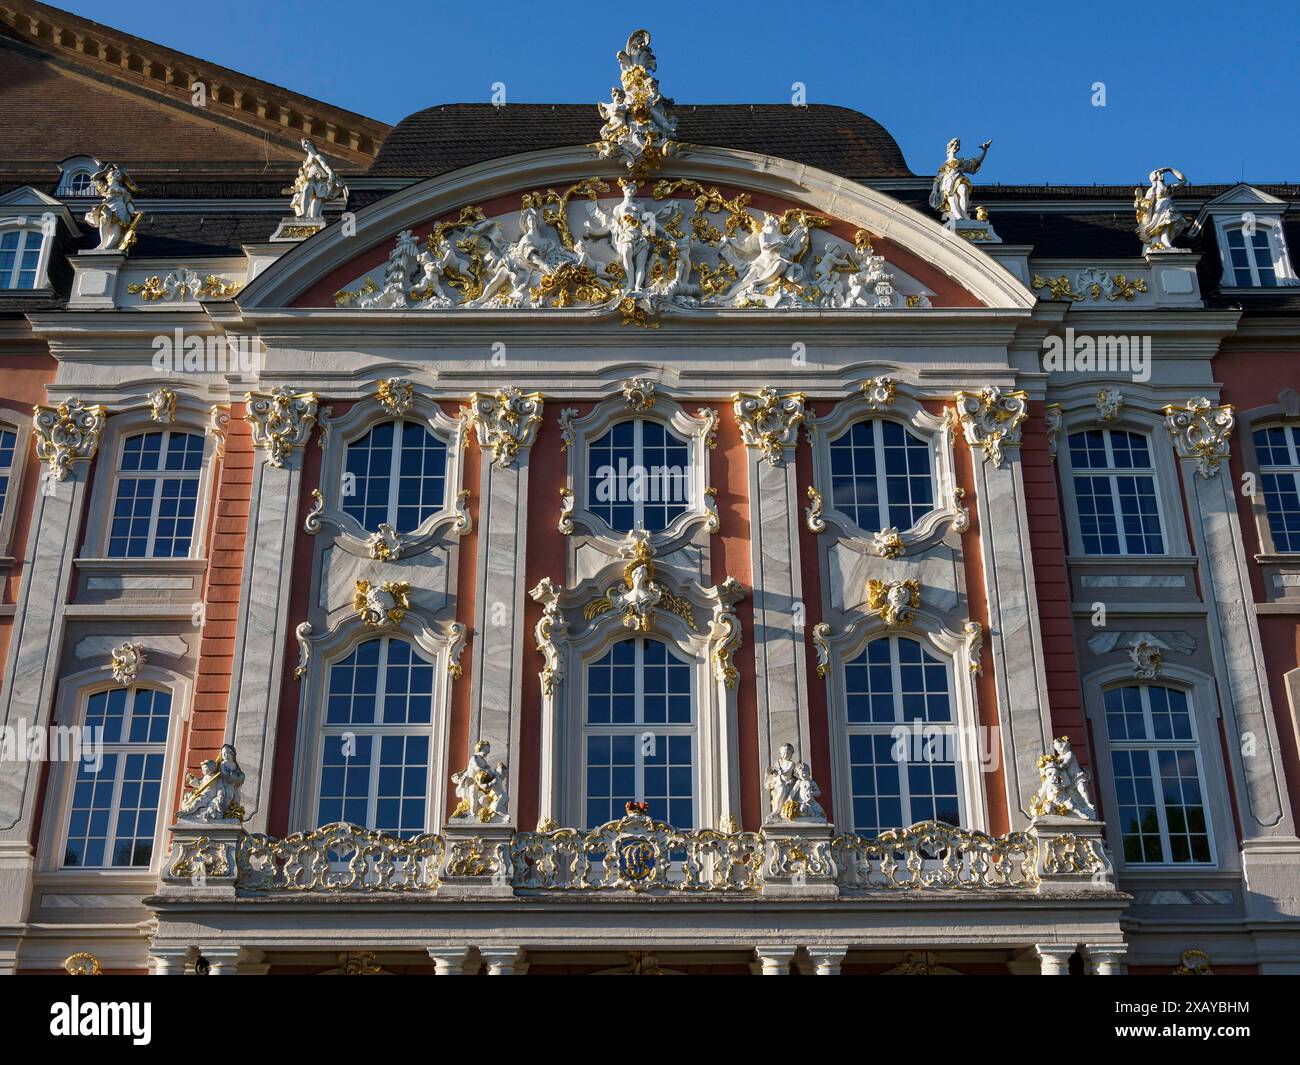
(1277, 450)
(157, 495)
(1251, 258)
(113, 816)
(1155, 760)
(877, 460)
(639, 739)
(20, 256)
(8, 443)
(1115, 493)
(901, 737)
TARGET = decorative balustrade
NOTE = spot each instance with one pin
(639, 854)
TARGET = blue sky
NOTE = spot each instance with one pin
(1210, 88)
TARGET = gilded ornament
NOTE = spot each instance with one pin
(383, 604)
(66, 434)
(896, 602)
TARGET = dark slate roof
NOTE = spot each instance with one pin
(180, 235)
(836, 139)
(1062, 235)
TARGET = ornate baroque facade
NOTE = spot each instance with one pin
(580, 539)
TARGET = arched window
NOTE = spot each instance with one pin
(1277, 449)
(1115, 493)
(1250, 256)
(638, 476)
(639, 734)
(156, 495)
(881, 475)
(8, 444)
(78, 183)
(398, 472)
(376, 739)
(1156, 763)
(20, 257)
(901, 737)
(113, 816)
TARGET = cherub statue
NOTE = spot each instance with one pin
(950, 193)
(216, 796)
(1063, 790)
(115, 215)
(317, 182)
(1158, 220)
(780, 783)
(480, 788)
(805, 795)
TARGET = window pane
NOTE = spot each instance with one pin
(1118, 512)
(157, 495)
(1277, 448)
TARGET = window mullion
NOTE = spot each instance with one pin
(638, 462)
(882, 480)
(896, 682)
(394, 474)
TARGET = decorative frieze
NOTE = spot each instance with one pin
(769, 421)
(281, 420)
(1201, 432)
(991, 420)
(66, 434)
(505, 422)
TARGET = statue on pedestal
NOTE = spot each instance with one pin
(216, 796)
(317, 182)
(950, 193)
(115, 215)
(481, 788)
(1158, 220)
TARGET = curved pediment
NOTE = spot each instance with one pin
(716, 231)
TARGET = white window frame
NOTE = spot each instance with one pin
(641, 728)
(74, 696)
(21, 428)
(1110, 473)
(159, 476)
(341, 432)
(1271, 225)
(27, 229)
(438, 645)
(906, 409)
(1267, 540)
(1150, 746)
(697, 431)
(638, 460)
(950, 648)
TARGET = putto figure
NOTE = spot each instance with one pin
(317, 183)
(1063, 790)
(481, 788)
(216, 796)
(1158, 220)
(950, 193)
(637, 128)
(115, 215)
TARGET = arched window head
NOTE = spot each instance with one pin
(639, 734)
(1115, 493)
(881, 475)
(8, 444)
(113, 816)
(375, 743)
(638, 476)
(156, 495)
(1156, 769)
(395, 474)
(1277, 449)
(902, 737)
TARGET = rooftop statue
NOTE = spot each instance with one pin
(1158, 219)
(316, 184)
(115, 215)
(950, 193)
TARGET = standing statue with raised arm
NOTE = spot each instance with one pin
(950, 193)
(1158, 219)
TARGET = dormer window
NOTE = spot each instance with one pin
(77, 177)
(1251, 257)
(20, 258)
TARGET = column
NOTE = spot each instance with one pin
(1054, 959)
(775, 960)
(505, 424)
(449, 961)
(1201, 435)
(827, 960)
(991, 422)
(1107, 960)
(501, 961)
(282, 422)
(169, 961)
(66, 439)
(769, 425)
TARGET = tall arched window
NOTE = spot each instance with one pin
(902, 737)
(639, 734)
(1115, 493)
(398, 475)
(638, 476)
(376, 738)
(156, 496)
(113, 816)
(1156, 762)
(1277, 449)
(881, 475)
